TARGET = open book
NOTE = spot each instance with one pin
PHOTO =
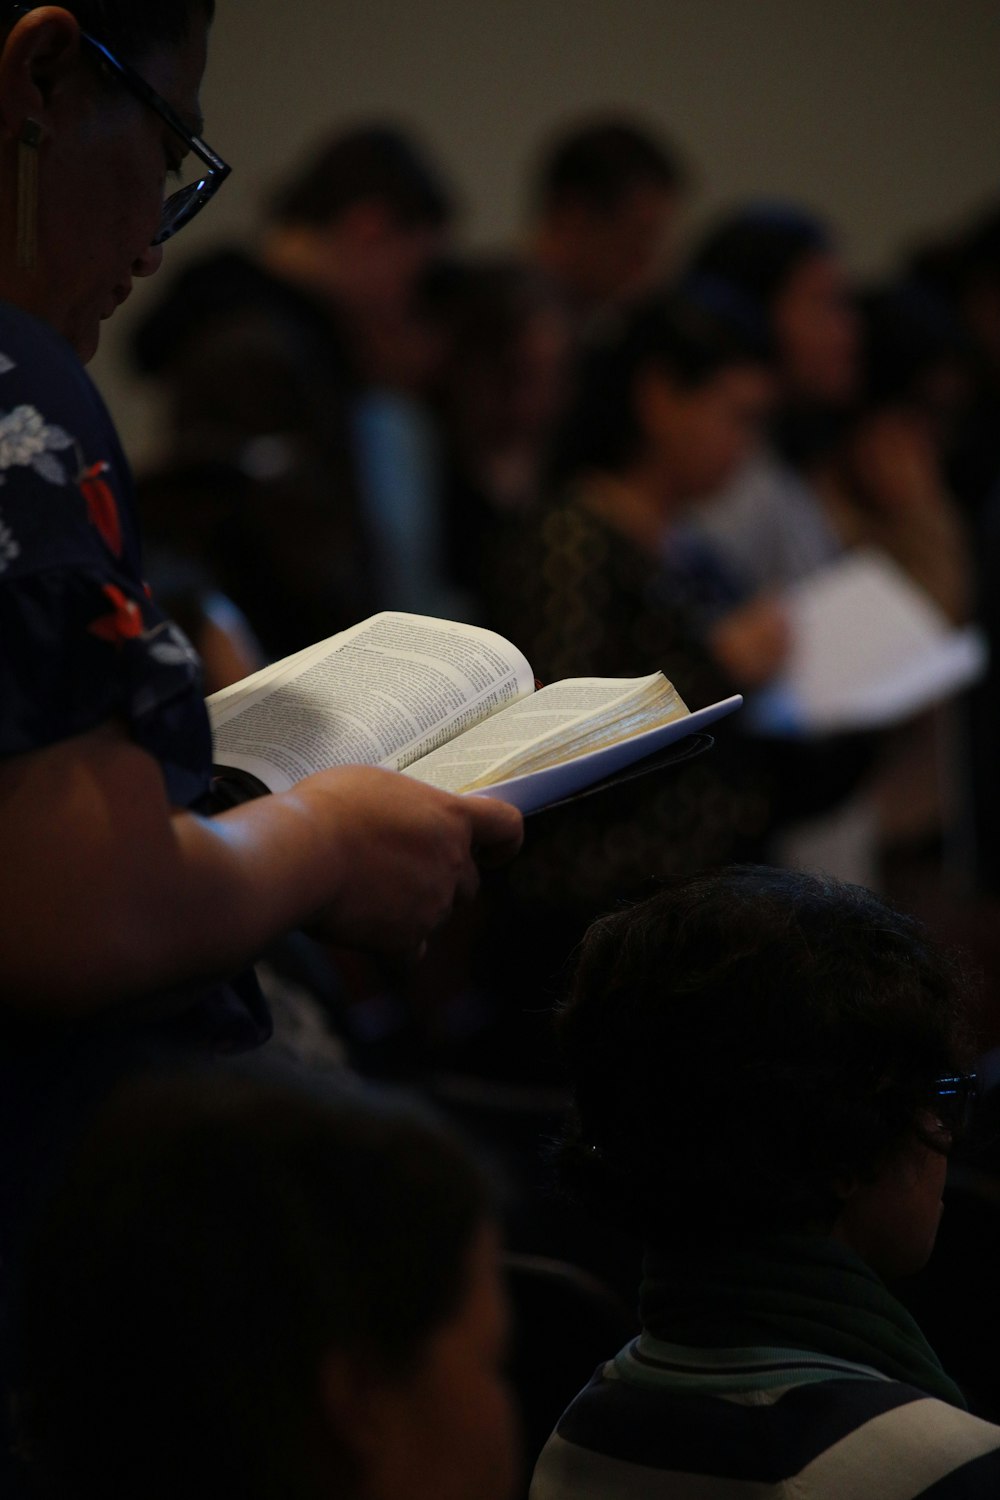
(450, 704)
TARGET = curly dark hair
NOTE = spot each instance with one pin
(740, 1042)
(690, 335)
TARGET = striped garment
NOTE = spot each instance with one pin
(665, 1422)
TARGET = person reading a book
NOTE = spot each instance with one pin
(767, 1077)
(304, 1300)
(125, 907)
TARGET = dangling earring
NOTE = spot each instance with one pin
(27, 195)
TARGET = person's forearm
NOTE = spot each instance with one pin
(107, 894)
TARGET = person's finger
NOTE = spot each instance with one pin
(497, 830)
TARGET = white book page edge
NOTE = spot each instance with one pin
(539, 788)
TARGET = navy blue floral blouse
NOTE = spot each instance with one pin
(82, 642)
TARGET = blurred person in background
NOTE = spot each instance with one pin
(886, 483)
(247, 1289)
(604, 581)
(608, 192)
(270, 361)
(768, 519)
(965, 269)
(502, 393)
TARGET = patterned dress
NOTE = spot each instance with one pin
(82, 643)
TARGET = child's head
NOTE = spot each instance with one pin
(757, 1051)
(249, 1290)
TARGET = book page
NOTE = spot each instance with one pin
(869, 648)
(555, 724)
(650, 751)
(382, 693)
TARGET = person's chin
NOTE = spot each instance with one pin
(86, 340)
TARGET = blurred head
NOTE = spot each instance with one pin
(683, 392)
(248, 1290)
(508, 357)
(606, 201)
(917, 357)
(786, 261)
(756, 1052)
(964, 271)
(106, 157)
(373, 211)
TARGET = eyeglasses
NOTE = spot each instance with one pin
(181, 206)
(954, 1098)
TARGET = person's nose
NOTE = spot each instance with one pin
(149, 262)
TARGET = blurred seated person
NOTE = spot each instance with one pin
(767, 518)
(610, 576)
(247, 1288)
(503, 389)
(964, 270)
(767, 1075)
(886, 483)
(606, 198)
(607, 582)
(266, 360)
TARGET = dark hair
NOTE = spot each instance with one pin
(967, 259)
(488, 301)
(690, 336)
(371, 162)
(132, 30)
(217, 1239)
(757, 249)
(741, 1041)
(907, 333)
(599, 162)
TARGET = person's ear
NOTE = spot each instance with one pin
(38, 58)
(356, 1401)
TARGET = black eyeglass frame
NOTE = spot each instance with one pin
(180, 207)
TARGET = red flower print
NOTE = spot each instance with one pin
(125, 621)
(101, 507)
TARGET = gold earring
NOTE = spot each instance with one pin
(28, 143)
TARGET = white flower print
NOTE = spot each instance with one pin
(173, 648)
(6, 364)
(9, 546)
(28, 441)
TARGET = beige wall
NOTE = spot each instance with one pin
(883, 113)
